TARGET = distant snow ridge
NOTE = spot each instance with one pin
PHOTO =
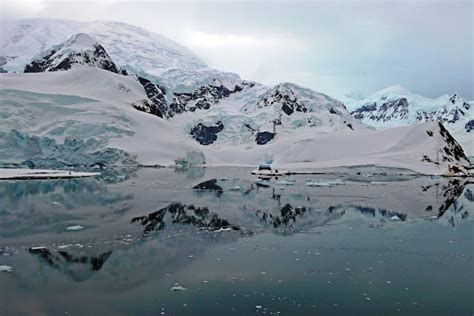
(397, 106)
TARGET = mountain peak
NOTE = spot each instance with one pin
(79, 49)
(394, 90)
(80, 41)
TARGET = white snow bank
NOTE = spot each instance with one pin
(401, 147)
(13, 174)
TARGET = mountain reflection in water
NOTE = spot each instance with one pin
(144, 234)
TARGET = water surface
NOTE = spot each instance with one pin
(148, 244)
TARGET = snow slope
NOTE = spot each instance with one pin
(83, 116)
(397, 106)
(129, 46)
(425, 148)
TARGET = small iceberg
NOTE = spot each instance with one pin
(5, 268)
(75, 227)
(378, 182)
(317, 184)
(285, 182)
(177, 288)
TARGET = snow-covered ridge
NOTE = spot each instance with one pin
(80, 49)
(87, 115)
(131, 47)
(397, 106)
(253, 114)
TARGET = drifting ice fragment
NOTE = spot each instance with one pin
(5, 268)
(75, 227)
(285, 182)
(178, 287)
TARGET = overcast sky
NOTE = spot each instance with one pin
(335, 47)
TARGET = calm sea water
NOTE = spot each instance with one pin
(147, 243)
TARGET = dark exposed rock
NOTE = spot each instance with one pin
(469, 126)
(156, 95)
(262, 138)
(287, 109)
(204, 97)
(98, 58)
(40, 65)
(452, 148)
(286, 97)
(206, 135)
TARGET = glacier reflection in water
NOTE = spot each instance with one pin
(351, 244)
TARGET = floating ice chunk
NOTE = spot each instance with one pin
(64, 246)
(220, 230)
(37, 248)
(318, 184)
(395, 218)
(258, 306)
(378, 182)
(285, 182)
(75, 227)
(178, 287)
(235, 188)
(5, 268)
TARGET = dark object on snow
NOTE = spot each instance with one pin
(264, 137)
(206, 135)
(469, 126)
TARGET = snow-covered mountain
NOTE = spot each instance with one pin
(80, 49)
(79, 104)
(217, 112)
(397, 106)
(131, 47)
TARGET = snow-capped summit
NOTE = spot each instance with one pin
(132, 48)
(398, 106)
(80, 49)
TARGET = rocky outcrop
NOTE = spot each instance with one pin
(285, 98)
(261, 138)
(204, 97)
(156, 94)
(206, 135)
(392, 109)
(469, 126)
